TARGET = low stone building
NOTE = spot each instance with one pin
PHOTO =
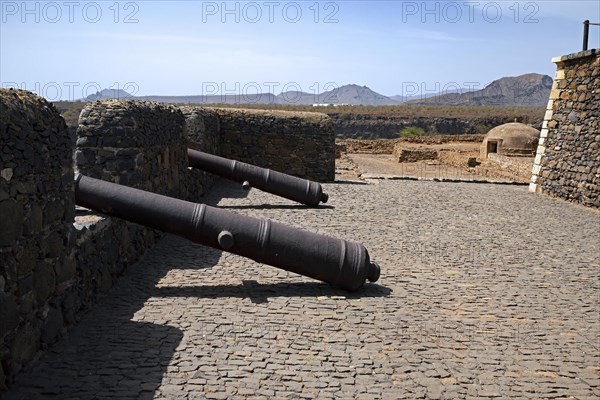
(512, 139)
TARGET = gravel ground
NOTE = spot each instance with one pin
(387, 165)
(487, 291)
(450, 166)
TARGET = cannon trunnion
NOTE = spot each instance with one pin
(280, 184)
(339, 262)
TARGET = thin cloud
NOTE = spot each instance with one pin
(152, 38)
(425, 34)
(537, 11)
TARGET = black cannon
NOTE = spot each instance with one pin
(280, 184)
(335, 261)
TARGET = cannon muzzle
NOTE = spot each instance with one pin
(280, 184)
(338, 262)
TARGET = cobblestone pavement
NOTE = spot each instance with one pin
(487, 291)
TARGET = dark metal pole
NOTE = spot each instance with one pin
(338, 262)
(586, 32)
(280, 184)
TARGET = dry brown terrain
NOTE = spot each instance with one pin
(375, 158)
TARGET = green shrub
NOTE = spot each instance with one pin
(411, 131)
(482, 128)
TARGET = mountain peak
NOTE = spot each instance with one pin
(353, 94)
(107, 94)
(524, 90)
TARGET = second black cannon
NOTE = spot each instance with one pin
(291, 187)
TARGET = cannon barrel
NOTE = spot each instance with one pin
(338, 262)
(280, 184)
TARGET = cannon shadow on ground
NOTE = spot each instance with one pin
(114, 351)
(260, 293)
(347, 182)
(109, 354)
(274, 207)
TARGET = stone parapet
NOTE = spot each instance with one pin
(567, 162)
(297, 143)
(37, 270)
(203, 133)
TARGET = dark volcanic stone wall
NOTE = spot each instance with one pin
(55, 259)
(134, 143)
(296, 143)
(202, 129)
(567, 163)
(137, 144)
(203, 132)
(36, 215)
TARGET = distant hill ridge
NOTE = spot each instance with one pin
(106, 94)
(524, 90)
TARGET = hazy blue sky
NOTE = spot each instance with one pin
(68, 49)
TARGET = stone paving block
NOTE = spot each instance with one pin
(486, 292)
